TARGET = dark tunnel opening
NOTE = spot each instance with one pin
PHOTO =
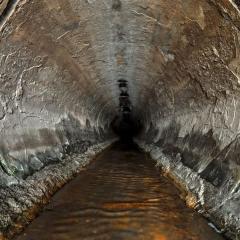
(125, 126)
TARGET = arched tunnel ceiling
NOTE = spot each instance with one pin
(60, 62)
(66, 56)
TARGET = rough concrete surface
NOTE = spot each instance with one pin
(219, 205)
(59, 65)
(21, 202)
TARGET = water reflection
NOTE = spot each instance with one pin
(120, 196)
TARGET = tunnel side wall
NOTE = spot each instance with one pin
(54, 112)
(193, 133)
(49, 105)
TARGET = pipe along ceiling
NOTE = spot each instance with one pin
(73, 72)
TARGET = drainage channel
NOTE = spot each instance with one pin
(121, 195)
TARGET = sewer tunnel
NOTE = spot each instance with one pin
(161, 76)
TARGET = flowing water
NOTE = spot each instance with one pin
(120, 196)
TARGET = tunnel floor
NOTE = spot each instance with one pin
(120, 195)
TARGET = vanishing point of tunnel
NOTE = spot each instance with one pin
(119, 119)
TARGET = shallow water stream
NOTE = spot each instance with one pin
(121, 195)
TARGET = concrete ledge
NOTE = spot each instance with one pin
(219, 205)
(21, 203)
